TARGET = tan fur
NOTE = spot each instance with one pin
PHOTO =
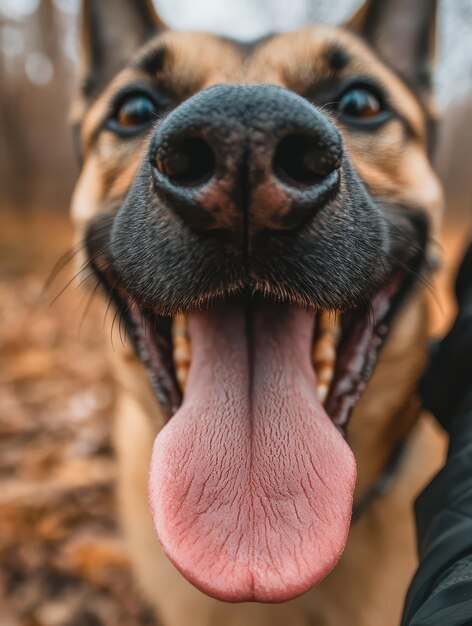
(367, 587)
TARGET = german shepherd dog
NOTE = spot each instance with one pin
(260, 216)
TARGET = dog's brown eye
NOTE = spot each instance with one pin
(136, 113)
(360, 103)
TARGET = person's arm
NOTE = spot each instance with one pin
(441, 591)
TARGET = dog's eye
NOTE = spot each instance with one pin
(135, 113)
(360, 104)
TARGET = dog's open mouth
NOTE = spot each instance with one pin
(252, 481)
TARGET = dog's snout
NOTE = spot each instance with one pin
(257, 155)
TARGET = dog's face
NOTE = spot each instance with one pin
(258, 214)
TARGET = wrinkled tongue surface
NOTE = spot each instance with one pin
(251, 484)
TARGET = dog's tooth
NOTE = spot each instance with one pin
(324, 352)
(179, 326)
(329, 323)
(322, 390)
(181, 374)
(181, 349)
(325, 374)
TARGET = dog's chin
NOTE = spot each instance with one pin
(252, 481)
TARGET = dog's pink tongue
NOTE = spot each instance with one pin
(251, 485)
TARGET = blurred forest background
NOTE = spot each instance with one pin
(38, 55)
(62, 560)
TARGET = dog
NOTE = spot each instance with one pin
(262, 216)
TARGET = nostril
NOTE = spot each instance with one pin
(189, 162)
(300, 160)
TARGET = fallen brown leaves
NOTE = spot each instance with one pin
(62, 560)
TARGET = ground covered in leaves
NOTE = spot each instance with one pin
(62, 560)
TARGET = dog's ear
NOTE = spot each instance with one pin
(403, 32)
(111, 31)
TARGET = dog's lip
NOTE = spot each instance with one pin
(363, 330)
(363, 333)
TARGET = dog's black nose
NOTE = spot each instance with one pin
(254, 155)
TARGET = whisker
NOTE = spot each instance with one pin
(69, 282)
(85, 266)
(68, 255)
(87, 307)
(60, 264)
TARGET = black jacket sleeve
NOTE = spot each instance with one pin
(441, 591)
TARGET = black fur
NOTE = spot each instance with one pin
(337, 258)
(338, 58)
(152, 62)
